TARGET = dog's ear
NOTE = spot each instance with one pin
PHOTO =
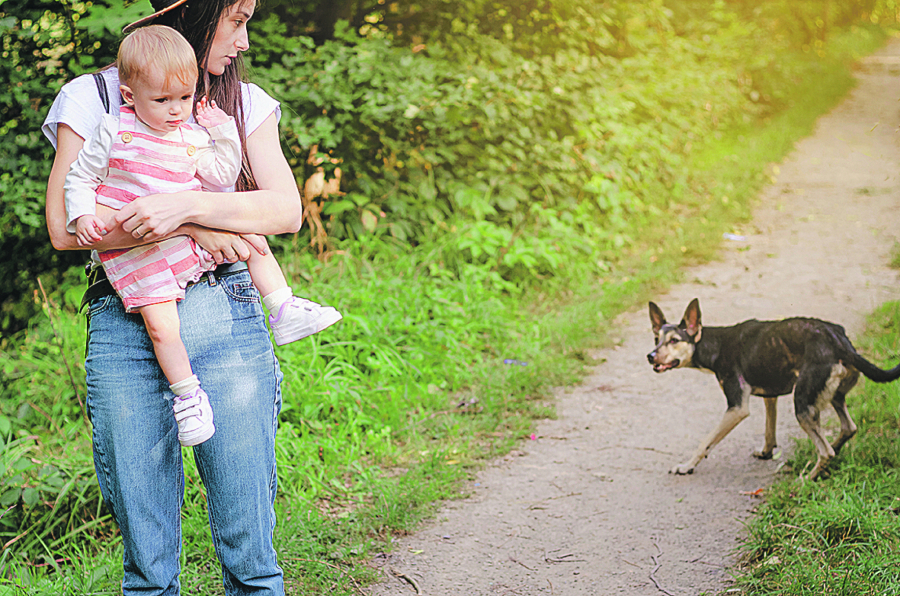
(691, 320)
(657, 319)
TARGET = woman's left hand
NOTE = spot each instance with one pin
(156, 216)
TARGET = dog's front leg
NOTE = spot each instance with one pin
(732, 418)
(737, 393)
(771, 419)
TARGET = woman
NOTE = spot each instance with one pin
(136, 451)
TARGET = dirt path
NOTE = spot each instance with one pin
(589, 508)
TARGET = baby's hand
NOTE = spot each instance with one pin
(209, 114)
(89, 229)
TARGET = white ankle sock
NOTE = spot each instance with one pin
(185, 385)
(274, 300)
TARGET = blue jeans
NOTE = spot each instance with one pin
(136, 451)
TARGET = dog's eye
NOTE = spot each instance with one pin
(674, 340)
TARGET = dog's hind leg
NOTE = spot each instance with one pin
(771, 419)
(848, 428)
(809, 421)
(815, 388)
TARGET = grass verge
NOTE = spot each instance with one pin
(840, 535)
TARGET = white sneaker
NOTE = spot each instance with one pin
(298, 318)
(194, 416)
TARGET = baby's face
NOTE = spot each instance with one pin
(163, 107)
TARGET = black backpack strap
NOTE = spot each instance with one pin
(98, 285)
(101, 89)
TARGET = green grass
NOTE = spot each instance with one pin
(895, 256)
(392, 410)
(839, 535)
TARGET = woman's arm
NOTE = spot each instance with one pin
(223, 246)
(68, 144)
(273, 209)
(67, 147)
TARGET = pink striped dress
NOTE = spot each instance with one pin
(140, 164)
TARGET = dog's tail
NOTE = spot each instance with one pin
(873, 372)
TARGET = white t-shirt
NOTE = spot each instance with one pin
(78, 105)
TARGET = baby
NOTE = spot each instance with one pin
(152, 148)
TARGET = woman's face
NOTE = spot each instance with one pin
(231, 36)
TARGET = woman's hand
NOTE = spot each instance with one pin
(154, 217)
(273, 209)
(225, 247)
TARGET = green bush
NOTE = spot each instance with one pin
(519, 131)
(532, 132)
(44, 43)
(48, 490)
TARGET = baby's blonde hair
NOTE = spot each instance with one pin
(156, 48)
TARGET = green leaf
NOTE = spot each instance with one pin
(10, 497)
(111, 19)
(30, 496)
(369, 220)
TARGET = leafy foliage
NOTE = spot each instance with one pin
(48, 490)
(531, 132)
(44, 43)
(527, 136)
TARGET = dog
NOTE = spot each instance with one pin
(810, 357)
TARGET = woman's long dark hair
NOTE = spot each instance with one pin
(197, 22)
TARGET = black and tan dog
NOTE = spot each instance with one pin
(812, 358)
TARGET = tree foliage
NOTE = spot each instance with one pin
(527, 133)
(44, 43)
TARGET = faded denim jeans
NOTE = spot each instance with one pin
(136, 451)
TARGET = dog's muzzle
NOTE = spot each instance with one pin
(661, 366)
